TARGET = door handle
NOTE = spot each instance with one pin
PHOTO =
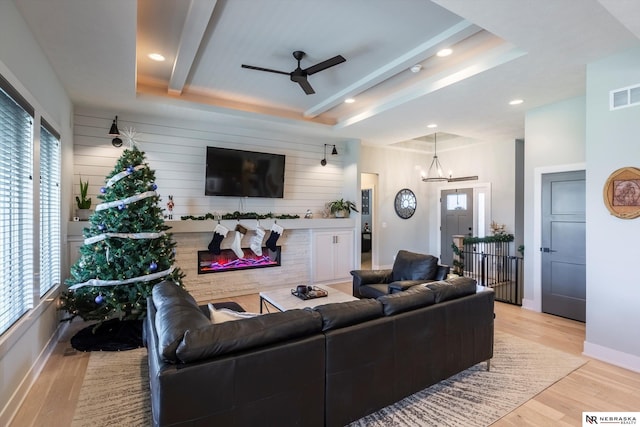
(547, 250)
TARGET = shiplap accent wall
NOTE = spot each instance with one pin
(176, 151)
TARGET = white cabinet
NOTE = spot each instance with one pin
(333, 256)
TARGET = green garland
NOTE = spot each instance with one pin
(489, 239)
(458, 264)
(239, 215)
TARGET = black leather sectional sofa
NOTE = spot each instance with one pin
(326, 366)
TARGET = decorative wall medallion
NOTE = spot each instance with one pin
(405, 203)
(622, 193)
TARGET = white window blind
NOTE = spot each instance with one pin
(49, 208)
(16, 207)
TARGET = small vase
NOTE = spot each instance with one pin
(342, 214)
(83, 214)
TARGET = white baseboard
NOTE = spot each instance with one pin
(614, 357)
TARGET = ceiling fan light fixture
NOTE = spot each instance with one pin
(300, 75)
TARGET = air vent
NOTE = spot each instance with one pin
(625, 97)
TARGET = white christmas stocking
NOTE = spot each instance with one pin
(256, 241)
(236, 246)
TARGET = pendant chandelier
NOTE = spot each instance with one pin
(435, 173)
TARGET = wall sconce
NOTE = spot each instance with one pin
(116, 141)
(334, 152)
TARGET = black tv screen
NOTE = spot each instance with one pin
(242, 173)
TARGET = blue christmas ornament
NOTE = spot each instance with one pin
(99, 299)
(130, 169)
(101, 227)
(153, 186)
(153, 266)
(121, 206)
(103, 190)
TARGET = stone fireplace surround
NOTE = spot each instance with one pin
(192, 236)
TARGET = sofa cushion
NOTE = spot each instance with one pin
(176, 311)
(221, 315)
(416, 297)
(373, 291)
(413, 266)
(449, 289)
(230, 337)
(341, 314)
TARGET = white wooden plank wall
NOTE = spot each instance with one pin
(176, 151)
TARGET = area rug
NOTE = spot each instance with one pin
(520, 369)
(115, 391)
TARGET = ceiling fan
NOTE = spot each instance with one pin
(299, 75)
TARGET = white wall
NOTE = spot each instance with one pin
(613, 282)
(176, 150)
(398, 169)
(24, 348)
(554, 142)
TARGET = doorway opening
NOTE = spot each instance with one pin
(369, 241)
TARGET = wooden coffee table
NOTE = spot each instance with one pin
(283, 300)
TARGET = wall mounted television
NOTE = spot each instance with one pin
(240, 173)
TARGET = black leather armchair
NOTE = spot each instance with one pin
(409, 269)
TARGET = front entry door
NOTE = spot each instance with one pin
(457, 218)
(563, 245)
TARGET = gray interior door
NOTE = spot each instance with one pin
(457, 218)
(563, 245)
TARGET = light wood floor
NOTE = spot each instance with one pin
(596, 386)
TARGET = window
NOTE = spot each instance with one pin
(16, 206)
(49, 208)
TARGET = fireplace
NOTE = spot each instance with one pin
(208, 262)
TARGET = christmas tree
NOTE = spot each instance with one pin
(126, 249)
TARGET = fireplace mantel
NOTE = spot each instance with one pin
(206, 226)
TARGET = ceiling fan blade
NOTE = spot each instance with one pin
(304, 84)
(325, 64)
(252, 67)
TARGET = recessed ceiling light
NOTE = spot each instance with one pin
(432, 126)
(516, 102)
(416, 68)
(444, 52)
(349, 101)
(156, 57)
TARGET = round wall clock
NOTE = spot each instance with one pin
(405, 203)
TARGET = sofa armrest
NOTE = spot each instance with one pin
(368, 277)
(443, 272)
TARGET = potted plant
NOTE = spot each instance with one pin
(84, 203)
(341, 208)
